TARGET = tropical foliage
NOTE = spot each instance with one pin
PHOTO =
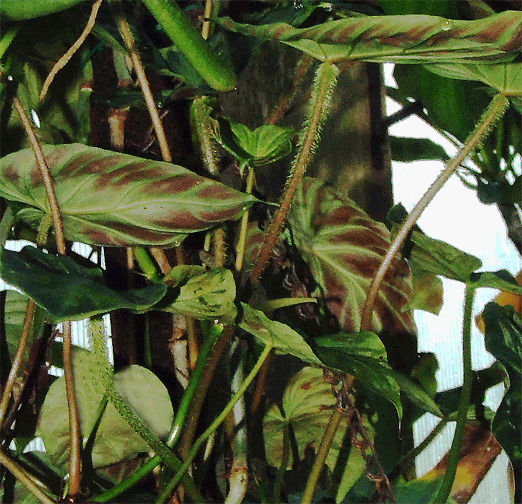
(262, 345)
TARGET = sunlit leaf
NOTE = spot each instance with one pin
(67, 290)
(109, 198)
(344, 249)
(399, 39)
(276, 334)
(115, 440)
(203, 294)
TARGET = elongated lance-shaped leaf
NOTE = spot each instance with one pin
(399, 39)
(113, 199)
(344, 248)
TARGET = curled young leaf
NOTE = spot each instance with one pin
(113, 199)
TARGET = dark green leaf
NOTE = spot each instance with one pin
(18, 10)
(277, 335)
(408, 150)
(115, 440)
(417, 394)
(504, 335)
(399, 39)
(109, 198)
(362, 355)
(440, 258)
(67, 290)
(344, 248)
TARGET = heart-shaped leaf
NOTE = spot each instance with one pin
(67, 290)
(399, 39)
(202, 294)
(115, 440)
(108, 198)
(344, 248)
(264, 145)
(277, 335)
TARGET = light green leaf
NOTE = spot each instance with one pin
(399, 39)
(202, 295)
(108, 198)
(277, 335)
(506, 78)
(115, 440)
(440, 258)
(362, 355)
(427, 292)
(67, 290)
(344, 247)
(18, 10)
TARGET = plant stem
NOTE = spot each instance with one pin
(240, 248)
(142, 78)
(238, 480)
(462, 416)
(322, 453)
(192, 45)
(69, 54)
(184, 410)
(284, 465)
(322, 90)
(23, 478)
(494, 112)
(215, 424)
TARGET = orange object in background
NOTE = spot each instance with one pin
(503, 299)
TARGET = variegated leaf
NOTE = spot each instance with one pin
(399, 39)
(344, 249)
(113, 199)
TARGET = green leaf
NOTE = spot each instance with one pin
(307, 405)
(417, 394)
(362, 355)
(344, 248)
(427, 292)
(399, 39)
(502, 280)
(16, 10)
(115, 440)
(506, 78)
(504, 334)
(67, 290)
(440, 258)
(409, 150)
(271, 333)
(266, 144)
(108, 198)
(202, 294)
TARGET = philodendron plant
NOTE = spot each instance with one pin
(263, 347)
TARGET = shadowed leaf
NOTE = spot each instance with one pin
(107, 198)
(67, 290)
